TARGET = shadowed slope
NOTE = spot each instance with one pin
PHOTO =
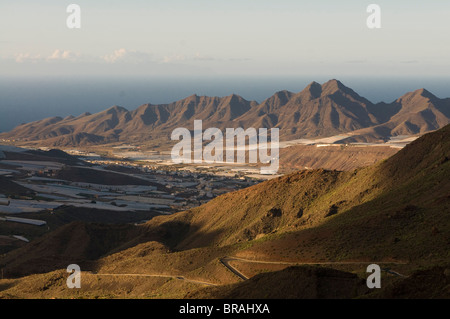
(317, 111)
(396, 211)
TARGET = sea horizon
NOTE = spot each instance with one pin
(27, 99)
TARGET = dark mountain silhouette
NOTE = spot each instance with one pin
(317, 111)
(416, 112)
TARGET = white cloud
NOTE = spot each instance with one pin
(124, 55)
(116, 56)
(26, 57)
(57, 55)
(63, 55)
(173, 58)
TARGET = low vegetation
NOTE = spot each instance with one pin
(395, 212)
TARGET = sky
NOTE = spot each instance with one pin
(225, 38)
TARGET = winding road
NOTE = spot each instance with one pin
(226, 262)
(160, 276)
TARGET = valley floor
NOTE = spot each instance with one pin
(307, 234)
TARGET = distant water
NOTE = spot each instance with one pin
(29, 99)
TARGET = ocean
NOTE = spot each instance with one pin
(29, 99)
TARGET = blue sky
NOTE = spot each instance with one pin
(218, 37)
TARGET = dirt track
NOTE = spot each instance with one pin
(225, 261)
(160, 276)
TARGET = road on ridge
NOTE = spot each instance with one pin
(160, 276)
(226, 262)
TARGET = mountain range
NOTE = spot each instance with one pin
(319, 110)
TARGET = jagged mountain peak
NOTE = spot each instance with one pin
(315, 89)
(116, 109)
(420, 93)
(319, 110)
(333, 86)
(84, 114)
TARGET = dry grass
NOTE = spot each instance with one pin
(395, 211)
